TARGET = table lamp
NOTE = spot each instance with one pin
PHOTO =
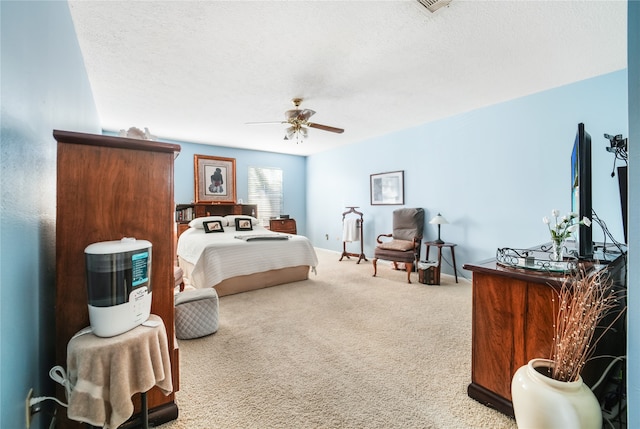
(438, 220)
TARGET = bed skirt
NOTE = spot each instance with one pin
(254, 281)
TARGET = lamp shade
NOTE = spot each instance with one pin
(438, 220)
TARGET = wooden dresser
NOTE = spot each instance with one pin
(287, 226)
(512, 323)
(109, 188)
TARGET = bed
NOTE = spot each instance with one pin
(234, 260)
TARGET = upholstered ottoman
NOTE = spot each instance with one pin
(196, 313)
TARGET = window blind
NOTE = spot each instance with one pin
(265, 190)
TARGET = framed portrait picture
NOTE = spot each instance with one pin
(387, 188)
(243, 224)
(213, 226)
(215, 179)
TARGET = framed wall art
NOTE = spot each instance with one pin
(215, 179)
(387, 188)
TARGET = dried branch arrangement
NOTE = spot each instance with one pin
(584, 300)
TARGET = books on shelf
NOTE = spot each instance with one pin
(185, 214)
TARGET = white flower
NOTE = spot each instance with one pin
(565, 226)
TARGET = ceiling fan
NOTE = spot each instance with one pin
(298, 120)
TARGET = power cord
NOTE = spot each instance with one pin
(460, 275)
(59, 375)
(606, 371)
(613, 401)
(38, 399)
(607, 233)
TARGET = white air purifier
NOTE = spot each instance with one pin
(118, 285)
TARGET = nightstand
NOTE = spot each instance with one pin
(287, 226)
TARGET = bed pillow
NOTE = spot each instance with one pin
(199, 221)
(231, 219)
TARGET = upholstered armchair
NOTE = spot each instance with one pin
(403, 244)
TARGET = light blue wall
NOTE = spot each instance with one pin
(44, 86)
(633, 335)
(293, 171)
(493, 172)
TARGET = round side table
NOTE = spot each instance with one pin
(451, 246)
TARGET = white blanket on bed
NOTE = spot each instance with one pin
(219, 255)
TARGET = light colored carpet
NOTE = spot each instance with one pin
(340, 350)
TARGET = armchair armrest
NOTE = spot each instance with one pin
(382, 235)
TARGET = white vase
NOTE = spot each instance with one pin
(540, 402)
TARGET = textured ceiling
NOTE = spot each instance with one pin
(197, 71)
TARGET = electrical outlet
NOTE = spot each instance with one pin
(27, 404)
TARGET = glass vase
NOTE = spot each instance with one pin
(557, 251)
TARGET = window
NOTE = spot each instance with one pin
(265, 190)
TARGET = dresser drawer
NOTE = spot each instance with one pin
(287, 226)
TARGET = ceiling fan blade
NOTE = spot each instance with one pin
(270, 122)
(325, 128)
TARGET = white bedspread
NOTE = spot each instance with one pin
(218, 256)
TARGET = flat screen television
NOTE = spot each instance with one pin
(622, 185)
(581, 190)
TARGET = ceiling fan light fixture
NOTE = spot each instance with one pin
(298, 121)
(291, 114)
(297, 131)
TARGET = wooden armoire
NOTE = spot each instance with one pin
(109, 188)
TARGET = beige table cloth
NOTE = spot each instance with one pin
(106, 372)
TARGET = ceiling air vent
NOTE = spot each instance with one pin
(434, 5)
